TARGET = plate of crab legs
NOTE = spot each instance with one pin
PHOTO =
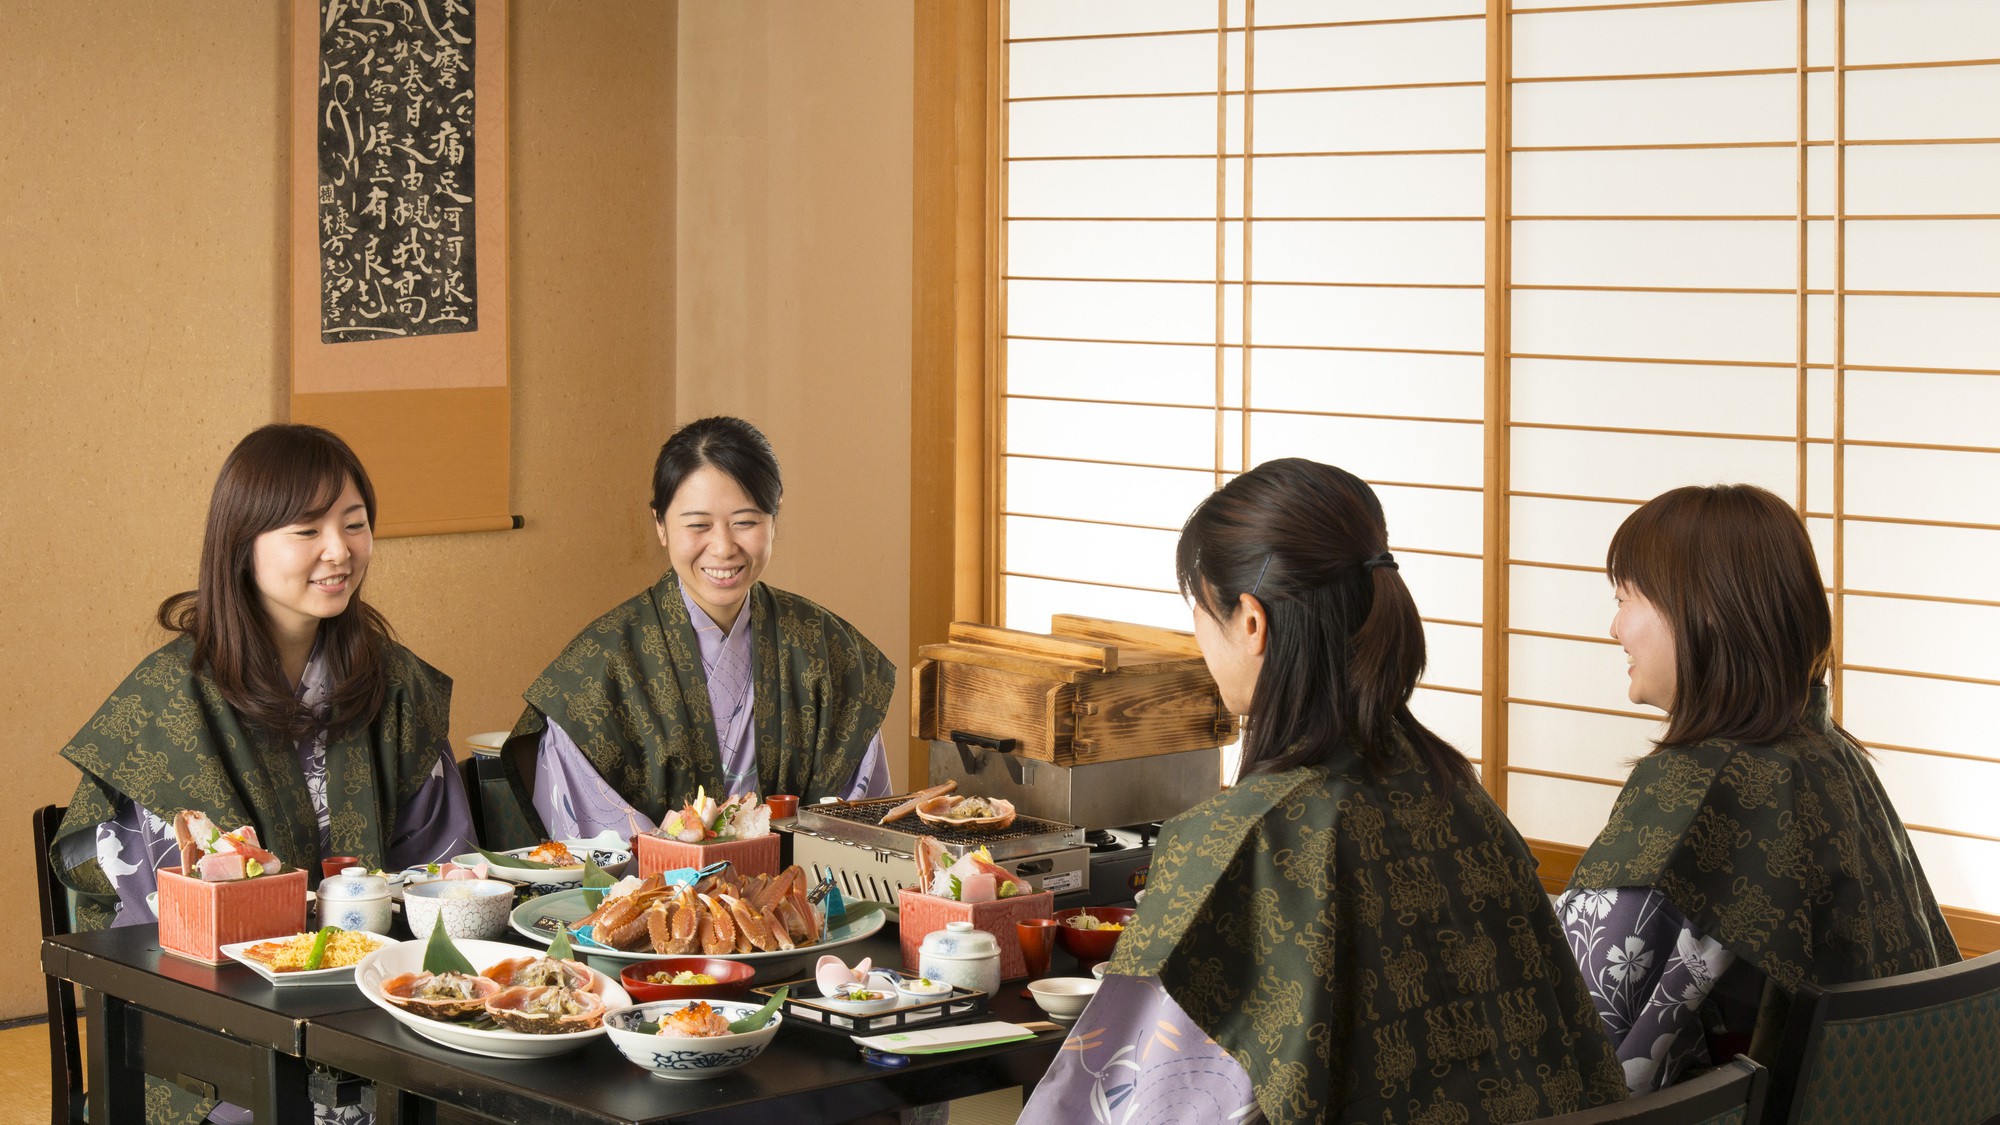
(775, 923)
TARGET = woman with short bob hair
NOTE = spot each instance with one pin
(709, 680)
(283, 702)
(1353, 931)
(1754, 849)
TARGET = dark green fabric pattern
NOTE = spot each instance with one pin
(1788, 853)
(1371, 950)
(630, 691)
(1940, 1063)
(167, 740)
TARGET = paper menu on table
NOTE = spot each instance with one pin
(930, 1041)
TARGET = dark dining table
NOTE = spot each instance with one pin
(228, 1033)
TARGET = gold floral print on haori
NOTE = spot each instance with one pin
(1787, 852)
(1370, 949)
(631, 692)
(167, 740)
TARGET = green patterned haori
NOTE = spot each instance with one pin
(1371, 949)
(630, 691)
(1788, 853)
(167, 740)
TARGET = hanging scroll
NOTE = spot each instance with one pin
(399, 283)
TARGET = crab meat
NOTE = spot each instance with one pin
(696, 1021)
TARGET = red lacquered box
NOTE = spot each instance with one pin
(751, 857)
(922, 913)
(198, 918)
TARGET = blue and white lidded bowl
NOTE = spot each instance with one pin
(963, 955)
(355, 900)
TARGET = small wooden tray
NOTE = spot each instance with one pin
(801, 1007)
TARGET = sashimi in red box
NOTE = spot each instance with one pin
(705, 831)
(227, 889)
(973, 889)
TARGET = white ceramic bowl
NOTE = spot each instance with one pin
(669, 1056)
(914, 990)
(841, 1002)
(471, 908)
(1097, 970)
(397, 958)
(1063, 998)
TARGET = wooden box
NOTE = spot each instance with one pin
(198, 918)
(919, 914)
(1088, 691)
(751, 857)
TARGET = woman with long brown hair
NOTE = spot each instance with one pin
(282, 702)
(1754, 849)
(1353, 931)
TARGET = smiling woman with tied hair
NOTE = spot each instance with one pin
(1353, 931)
(710, 679)
(1754, 849)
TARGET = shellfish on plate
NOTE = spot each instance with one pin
(533, 971)
(441, 996)
(967, 812)
(546, 1010)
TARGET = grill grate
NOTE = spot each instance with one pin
(860, 822)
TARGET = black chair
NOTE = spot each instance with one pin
(475, 797)
(65, 1050)
(1922, 1047)
(1731, 1094)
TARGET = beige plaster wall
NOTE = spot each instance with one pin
(142, 253)
(794, 282)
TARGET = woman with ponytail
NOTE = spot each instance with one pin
(1353, 931)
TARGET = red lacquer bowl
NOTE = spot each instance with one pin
(1091, 946)
(731, 977)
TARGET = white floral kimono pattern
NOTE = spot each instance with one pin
(1650, 972)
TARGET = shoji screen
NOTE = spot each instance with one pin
(1738, 240)
(1756, 241)
(1158, 156)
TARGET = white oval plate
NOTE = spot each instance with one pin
(613, 853)
(397, 958)
(568, 906)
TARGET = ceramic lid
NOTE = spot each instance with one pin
(960, 939)
(353, 883)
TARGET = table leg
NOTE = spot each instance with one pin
(117, 1088)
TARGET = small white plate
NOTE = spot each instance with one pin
(396, 958)
(341, 975)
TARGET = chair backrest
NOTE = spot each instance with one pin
(1918, 1047)
(1731, 1094)
(65, 1047)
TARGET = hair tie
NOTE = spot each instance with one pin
(1383, 559)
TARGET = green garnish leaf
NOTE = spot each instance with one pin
(762, 1015)
(559, 949)
(318, 953)
(722, 821)
(441, 956)
(957, 889)
(517, 861)
(595, 879)
(647, 1027)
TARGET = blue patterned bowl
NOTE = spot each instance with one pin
(669, 1056)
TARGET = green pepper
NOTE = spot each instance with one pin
(318, 953)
